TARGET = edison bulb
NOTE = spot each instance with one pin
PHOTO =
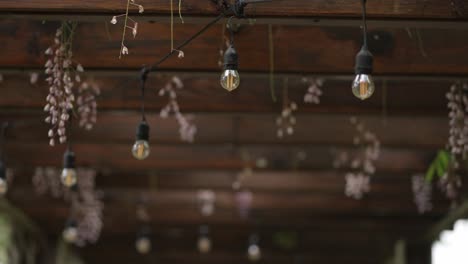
(141, 149)
(254, 253)
(3, 186)
(204, 244)
(363, 86)
(70, 234)
(143, 245)
(68, 177)
(230, 79)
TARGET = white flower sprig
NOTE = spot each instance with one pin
(134, 28)
(62, 75)
(187, 129)
(86, 104)
(361, 162)
(314, 91)
(286, 121)
(422, 192)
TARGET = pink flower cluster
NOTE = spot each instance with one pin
(458, 118)
(187, 129)
(87, 207)
(62, 75)
(422, 192)
(87, 105)
(314, 91)
(361, 162)
(286, 121)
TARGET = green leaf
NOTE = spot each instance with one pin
(430, 173)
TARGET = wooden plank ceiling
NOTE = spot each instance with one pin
(416, 62)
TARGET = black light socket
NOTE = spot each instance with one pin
(364, 61)
(2, 170)
(231, 59)
(142, 132)
(69, 160)
(144, 232)
(71, 223)
(254, 239)
(204, 230)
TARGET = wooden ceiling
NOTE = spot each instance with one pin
(420, 50)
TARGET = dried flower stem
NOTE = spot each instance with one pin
(122, 45)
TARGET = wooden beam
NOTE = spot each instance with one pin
(210, 157)
(308, 50)
(203, 94)
(239, 130)
(433, 9)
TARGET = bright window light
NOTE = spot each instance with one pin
(452, 248)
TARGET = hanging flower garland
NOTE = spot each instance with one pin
(447, 165)
(362, 162)
(86, 205)
(286, 121)
(422, 192)
(87, 105)
(314, 90)
(187, 129)
(62, 75)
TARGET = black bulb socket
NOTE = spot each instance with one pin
(254, 239)
(231, 59)
(144, 232)
(364, 61)
(142, 132)
(204, 230)
(2, 170)
(69, 160)
(71, 223)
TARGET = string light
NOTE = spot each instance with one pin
(230, 78)
(204, 241)
(363, 85)
(141, 148)
(143, 243)
(3, 179)
(68, 176)
(254, 253)
(3, 168)
(70, 232)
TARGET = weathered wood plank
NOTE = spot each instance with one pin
(308, 50)
(303, 8)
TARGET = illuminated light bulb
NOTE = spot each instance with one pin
(254, 253)
(70, 232)
(143, 244)
(3, 179)
(204, 245)
(230, 78)
(204, 241)
(141, 148)
(69, 176)
(363, 86)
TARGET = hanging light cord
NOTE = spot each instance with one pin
(69, 130)
(231, 31)
(2, 138)
(143, 78)
(364, 22)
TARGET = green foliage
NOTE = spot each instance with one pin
(439, 165)
(285, 240)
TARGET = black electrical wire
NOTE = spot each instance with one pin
(364, 22)
(185, 43)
